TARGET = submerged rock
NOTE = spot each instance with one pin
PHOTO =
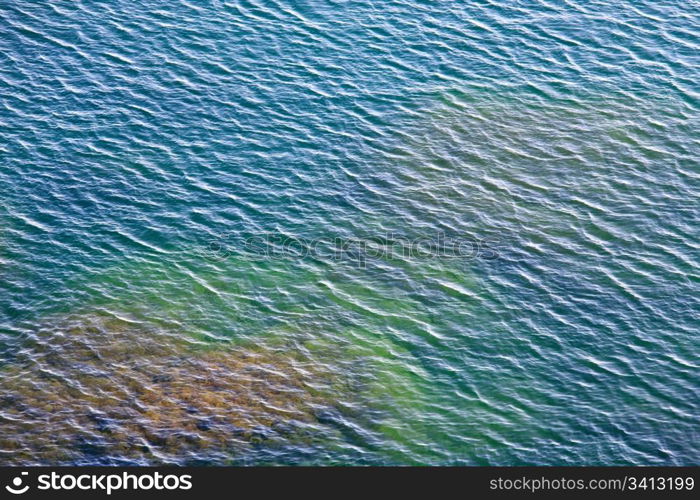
(103, 389)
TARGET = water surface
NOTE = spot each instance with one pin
(142, 143)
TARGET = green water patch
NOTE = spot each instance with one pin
(388, 382)
(212, 298)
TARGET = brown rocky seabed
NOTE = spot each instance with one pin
(101, 388)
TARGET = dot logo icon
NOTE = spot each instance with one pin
(16, 488)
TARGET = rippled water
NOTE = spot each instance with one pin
(145, 144)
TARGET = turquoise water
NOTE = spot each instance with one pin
(142, 143)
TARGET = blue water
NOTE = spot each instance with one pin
(144, 144)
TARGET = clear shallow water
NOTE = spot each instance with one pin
(142, 142)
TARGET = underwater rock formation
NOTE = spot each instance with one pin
(100, 389)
